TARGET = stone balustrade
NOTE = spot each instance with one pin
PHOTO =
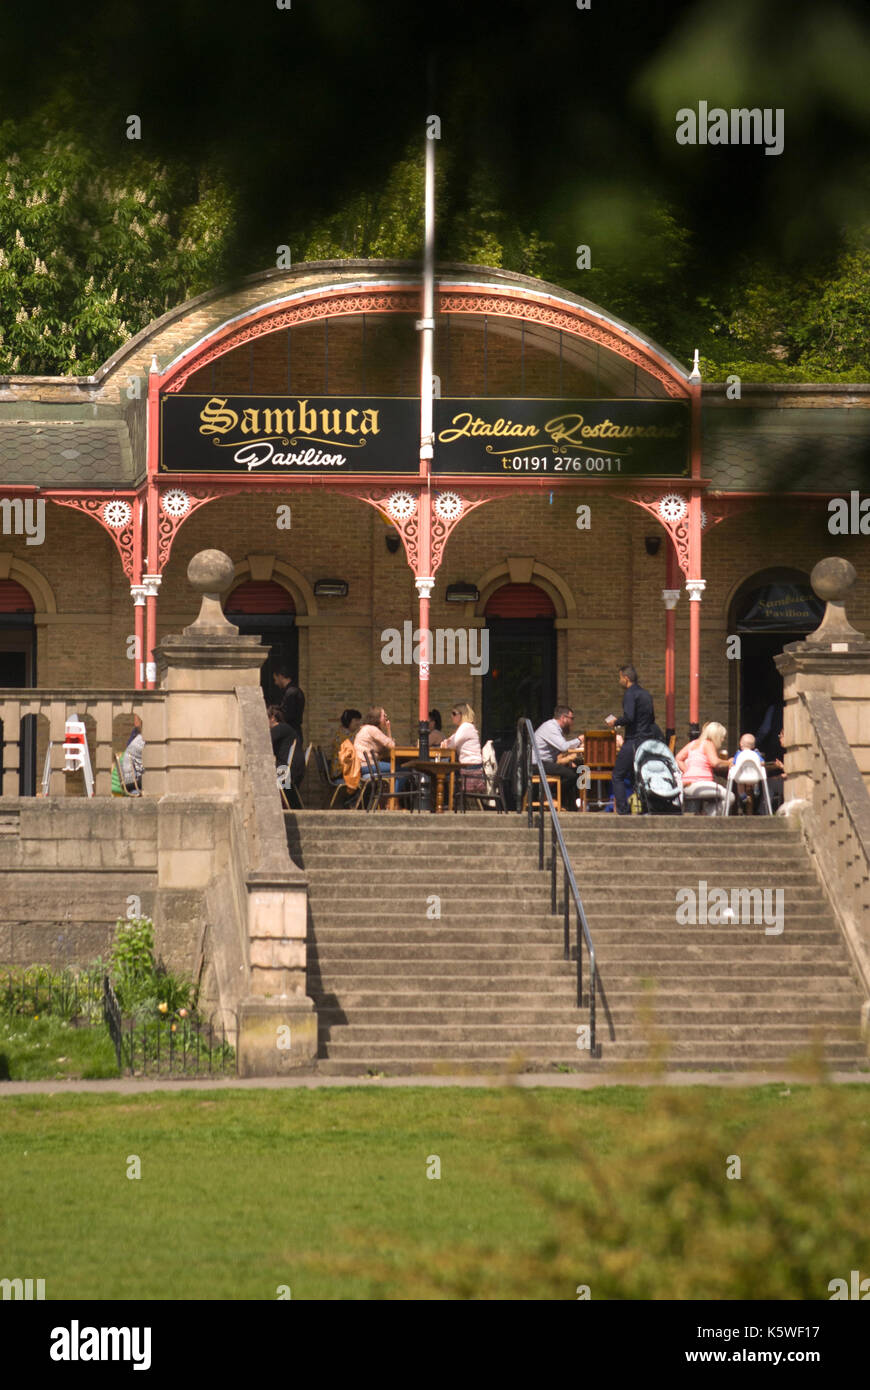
(104, 707)
(837, 825)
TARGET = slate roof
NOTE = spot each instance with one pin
(81, 454)
(791, 449)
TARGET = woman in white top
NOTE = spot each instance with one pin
(466, 740)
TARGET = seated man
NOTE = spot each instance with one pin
(560, 753)
(284, 736)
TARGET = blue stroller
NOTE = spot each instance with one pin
(657, 779)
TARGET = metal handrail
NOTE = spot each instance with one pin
(570, 889)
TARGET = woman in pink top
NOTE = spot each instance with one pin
(697, 762)
(466, 740)
(373, 736)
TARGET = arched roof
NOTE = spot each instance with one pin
(329, 288)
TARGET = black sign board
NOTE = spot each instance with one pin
(343, 436)
(288, 435)
(559, 438)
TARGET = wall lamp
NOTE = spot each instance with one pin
(394, 540)
(330, 588)
(462, 593)
(653, 544)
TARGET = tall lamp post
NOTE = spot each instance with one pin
(424, 580)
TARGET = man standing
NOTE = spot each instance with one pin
(558, 752)
(292, 700)
(638, 717)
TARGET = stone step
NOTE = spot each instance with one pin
(776, 1065)
(723, 874)
(381, 940)
(306, 820)
(837, 994)
(401, 974)
(708, 1013)
(372, 1034)
(601, 925)
(697, 1049)
(778, 951)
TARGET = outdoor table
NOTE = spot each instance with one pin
(439, 768)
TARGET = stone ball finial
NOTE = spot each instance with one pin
(832, 579)
(210, 572)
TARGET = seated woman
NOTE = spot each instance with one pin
(132, 759)
(348, 724)
(466, 740)
(374, 737)
(697, 761)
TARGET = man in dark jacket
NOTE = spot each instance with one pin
(292, 701)
(639, 720)
(284, 736)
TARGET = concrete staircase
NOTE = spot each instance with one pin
(401, 990)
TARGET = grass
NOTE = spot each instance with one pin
(623, 1189)
(48, 1048)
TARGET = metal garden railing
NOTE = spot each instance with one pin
(171, 1047)
(532, 765)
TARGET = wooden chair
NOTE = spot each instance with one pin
(599, 755)
(555, 784)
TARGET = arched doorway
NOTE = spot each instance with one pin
(521, 680)
(267, 610)
(769, 610)
(18, 667)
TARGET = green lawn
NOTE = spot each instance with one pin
(48, 1048)
(623, 1189)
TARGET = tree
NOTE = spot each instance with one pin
(93, 252)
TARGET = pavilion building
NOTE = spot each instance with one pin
(589, 502)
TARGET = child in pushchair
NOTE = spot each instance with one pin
(657, 779)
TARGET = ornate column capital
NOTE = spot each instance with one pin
(696, 589)
(671, 598)
(424, 587)
(151, 584)
(139, 593)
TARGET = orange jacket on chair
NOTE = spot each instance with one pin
(349, 765)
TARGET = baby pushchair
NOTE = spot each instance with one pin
(657, 779)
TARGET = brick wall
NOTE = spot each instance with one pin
(615, 584)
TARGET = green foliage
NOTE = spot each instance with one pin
(44, 991)
(95, 248)
(132, 961)
(91, 251)
(144, 987)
